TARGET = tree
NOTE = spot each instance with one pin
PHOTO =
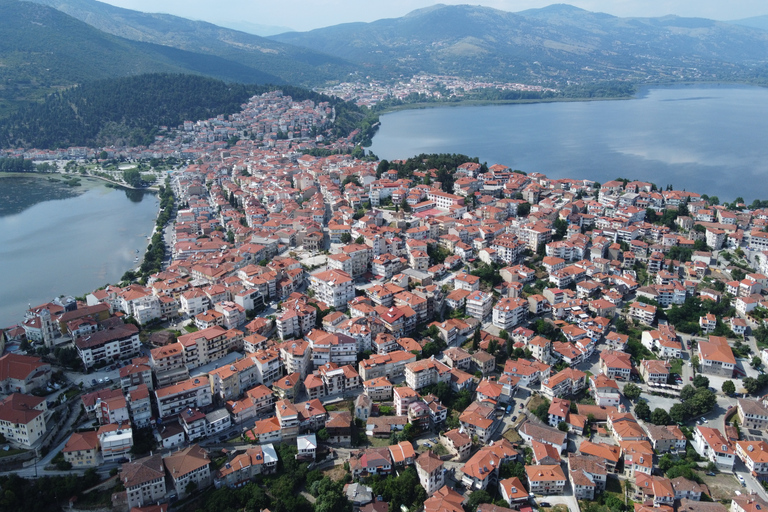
(632, 391)
(476, 339)
(230, 237)
(478, 498)
(729, 388)
(750, 384)
(660, 417)
(700, 381)
(132, 177)
(405, 206)
(756, 362)
(322, 435)
(346, 238)
(359, 240)
(562, 426)
(642, 410)
(687, 392)
(678, 412)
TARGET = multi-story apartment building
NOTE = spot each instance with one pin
(191, 393)
(509, 312)
(22, 374)
(564, 383)
(716, 357)
(334, 287)
(208, 345)
(754, 455)
(479, 304)
(546, 479)
(82, 450)
(168, 364)
(391, 365)
(269, 365)
(711, 443)
(102, 347)
(297, 319)
(190, 465)
(144, 481)
(426, 372)
(753, 414)
(429, 468)
(22, 419)
(654, 371)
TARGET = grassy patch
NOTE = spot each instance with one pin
(512, 436)
(676, 366)
(191, 328)
(378, 442)
(12, 451)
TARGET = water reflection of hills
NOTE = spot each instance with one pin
(17, 193)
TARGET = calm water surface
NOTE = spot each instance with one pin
(711, 139)
(56, 240)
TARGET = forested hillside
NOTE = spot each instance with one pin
(128, 111)
(42, 50)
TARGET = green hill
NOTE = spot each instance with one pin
(43, 50)
(129, 110)
(556, 44)
(292, 64)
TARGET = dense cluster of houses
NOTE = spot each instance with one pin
(352, 326)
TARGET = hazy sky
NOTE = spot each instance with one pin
(308, 14)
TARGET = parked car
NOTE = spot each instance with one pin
(93, 382)
(544, 504)
(741, 480)
(704, 420)
(711, 474)
(690, 377)
(689, 364)
(107, 379)
(514, 418)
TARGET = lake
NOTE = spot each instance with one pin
(59, 240)
(709, 139)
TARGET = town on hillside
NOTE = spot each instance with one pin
(328, 333)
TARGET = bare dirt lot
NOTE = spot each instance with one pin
(722, 486)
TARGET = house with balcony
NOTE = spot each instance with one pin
(712, 445)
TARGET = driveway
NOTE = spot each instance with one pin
(567, 499)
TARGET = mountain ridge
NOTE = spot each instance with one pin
(301, 66)
(554, 44)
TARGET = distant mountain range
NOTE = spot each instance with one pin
(51, 44)
(555, 43)
(760, 22)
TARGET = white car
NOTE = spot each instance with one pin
(741, 480)
(689, 364)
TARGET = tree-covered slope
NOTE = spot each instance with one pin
(293, 64)
(42, 49)
(120, 111)
(129, 110)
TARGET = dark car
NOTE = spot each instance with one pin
(93, 382)
(514, 418)
(122, 460)
(222, 439)
(544, 504)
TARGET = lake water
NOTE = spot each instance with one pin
(56, 240)
(711, 139)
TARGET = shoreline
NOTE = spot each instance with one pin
(117, 184)
(479, 103)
